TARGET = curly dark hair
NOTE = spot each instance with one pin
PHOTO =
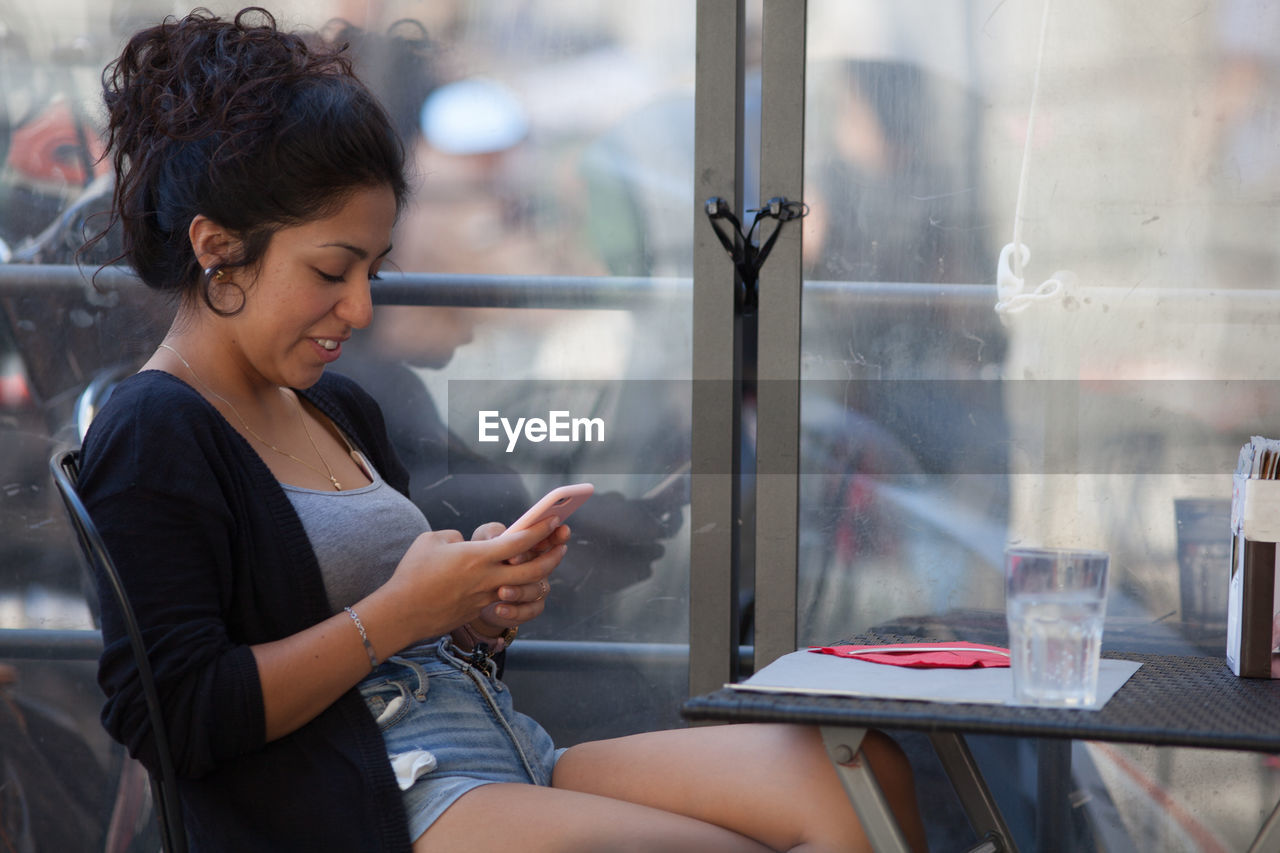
(253, 127)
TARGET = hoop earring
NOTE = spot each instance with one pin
(216, 276)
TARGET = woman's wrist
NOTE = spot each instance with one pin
(388, 626)
(364, 637)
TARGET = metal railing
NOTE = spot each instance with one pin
(395, 288)
(528, 655)
(49, 644)
(565, 292)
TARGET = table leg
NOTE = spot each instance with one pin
(1269, 836)
(1053, 815)
(975, 796)
(844, 749)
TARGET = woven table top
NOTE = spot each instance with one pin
(1170, 701)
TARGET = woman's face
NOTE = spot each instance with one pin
(310, 290)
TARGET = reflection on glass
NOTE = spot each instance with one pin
(522, 126)
(522, 166)
(1094, 418)
(897, 201)
(1147, 206)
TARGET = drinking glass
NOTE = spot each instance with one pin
(1055, 601)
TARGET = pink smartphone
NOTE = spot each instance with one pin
(560, 502)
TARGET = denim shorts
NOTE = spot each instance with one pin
(430, 697)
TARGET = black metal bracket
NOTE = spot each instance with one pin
(748, 257)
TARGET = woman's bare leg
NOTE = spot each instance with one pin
(530, 819)
(747, 788)
(773, 783)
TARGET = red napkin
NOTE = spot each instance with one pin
(929, 656)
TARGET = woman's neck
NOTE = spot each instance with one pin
(220, 373)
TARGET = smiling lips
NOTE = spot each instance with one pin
(328, 349)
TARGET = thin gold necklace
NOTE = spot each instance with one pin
(328, 472)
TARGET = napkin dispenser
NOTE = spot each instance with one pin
(1253, 596)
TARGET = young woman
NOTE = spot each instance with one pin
(323, 657)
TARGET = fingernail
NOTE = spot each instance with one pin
(504, 612)
(508, 594)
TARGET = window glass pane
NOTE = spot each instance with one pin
(62, 771)
(897, 338)
(1105, 403)
(553, 148)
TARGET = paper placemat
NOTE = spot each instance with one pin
(827, 675)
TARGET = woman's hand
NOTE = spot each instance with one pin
(444, 581)
(441, 582)
(517, 604)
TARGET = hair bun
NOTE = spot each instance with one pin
(201, 76)
(236, 120)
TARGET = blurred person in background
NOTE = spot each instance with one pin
(460, 132)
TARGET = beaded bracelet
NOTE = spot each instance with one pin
(364, 638)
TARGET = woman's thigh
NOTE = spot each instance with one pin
(719, 788)
(772, 783)
(533, 819)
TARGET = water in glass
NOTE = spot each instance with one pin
(1054, 644)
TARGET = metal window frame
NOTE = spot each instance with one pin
(717, 350)
(782, 116)
(718, 344)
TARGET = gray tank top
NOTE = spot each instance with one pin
(359, 535)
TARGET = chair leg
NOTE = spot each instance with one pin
(172, 835)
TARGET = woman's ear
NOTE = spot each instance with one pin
(212, 243)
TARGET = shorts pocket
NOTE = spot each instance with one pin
(388, 700)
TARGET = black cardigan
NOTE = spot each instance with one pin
(214, 560)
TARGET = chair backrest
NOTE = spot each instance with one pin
(65, 467)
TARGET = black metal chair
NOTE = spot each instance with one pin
(65, 467)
